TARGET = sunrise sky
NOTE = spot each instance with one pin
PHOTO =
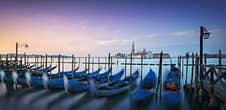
(103, 26)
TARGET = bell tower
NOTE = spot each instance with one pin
(133, 49)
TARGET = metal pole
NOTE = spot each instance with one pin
(201, 51)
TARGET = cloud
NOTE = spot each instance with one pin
(152, 35)
(216, 30)
(112, 42)
(184, 33)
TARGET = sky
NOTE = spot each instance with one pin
(102, 26)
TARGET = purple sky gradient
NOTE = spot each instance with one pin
(83, 27)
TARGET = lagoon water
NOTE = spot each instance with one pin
(43, 99)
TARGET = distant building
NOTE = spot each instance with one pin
(144, 53)
(164, 56)
(138, 54)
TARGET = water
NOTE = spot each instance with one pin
(43, 99)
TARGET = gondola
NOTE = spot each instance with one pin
(146, 90)
(76, 86)
(127, 84)
(171, 94)
(31, 79)
(59, 83)
(48, 78)
(41, 71)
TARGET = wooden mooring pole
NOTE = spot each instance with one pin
(212, 102)
(41, 61)
(186, 76)
(159, 85)
(46, 62)
(25, 62)
(72, 62)
(141, 69)
(88, 64)
(182, 66)
(59, 63)
(98, 62)
(125, 65)
(93, 64)
(109, 61)
(51, 62)
(79, 61)
(105, 63)
(220, 62)
(192, 73)
(179, 70)
(196, 73)
(131, 65)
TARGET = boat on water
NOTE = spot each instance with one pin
(146, 90)
(76, 86)
(30, 79)
(171, 85)
(59, 83)
(127, 84)
(39, 72)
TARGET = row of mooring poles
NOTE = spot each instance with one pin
(159, 83)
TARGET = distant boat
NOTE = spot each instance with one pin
(146, 90)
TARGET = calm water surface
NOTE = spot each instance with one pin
(43, 99)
